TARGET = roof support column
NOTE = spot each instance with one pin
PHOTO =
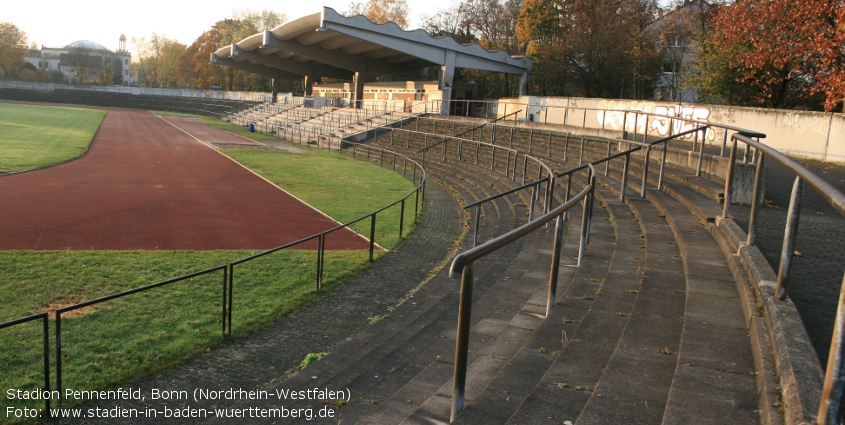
(358, 89)
(447, 75)
(308, 82)
(523, 82)
(273, 90)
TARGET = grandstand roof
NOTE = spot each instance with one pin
(328, 44)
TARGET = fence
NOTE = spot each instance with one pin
(197, 94)
(225, 272)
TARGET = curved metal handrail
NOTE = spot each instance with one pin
(462, 267)
(445, 137)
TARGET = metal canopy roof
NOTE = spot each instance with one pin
(327, 44)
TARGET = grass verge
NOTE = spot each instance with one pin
(38, 136)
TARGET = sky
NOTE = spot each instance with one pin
(57, 23)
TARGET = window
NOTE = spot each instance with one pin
(126, 61)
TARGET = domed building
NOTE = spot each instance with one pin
(84, 62)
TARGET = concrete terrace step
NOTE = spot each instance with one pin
(421, 325)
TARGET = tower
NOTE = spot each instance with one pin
(121, 45)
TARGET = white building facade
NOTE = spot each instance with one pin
(84, 62)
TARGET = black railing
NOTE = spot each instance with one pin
(45, 341)
(228, 278)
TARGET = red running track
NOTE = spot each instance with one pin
(145, 184)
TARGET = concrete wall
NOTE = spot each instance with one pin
(815, 135)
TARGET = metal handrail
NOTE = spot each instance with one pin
(831, 406)
(462, 267)
(228, 274)
(465, 132)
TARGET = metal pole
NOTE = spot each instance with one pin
(791, 232)
(755, 207)
(592, 199)
(607, 163)
(581, 156)
(729, 179)
(45, 329)
(372, 236)
(662, 166)
(58, 357)
(552, 297)
(534, 190)
(645, 170)
(475, 225)
(700, 155)
(401, 218)
(583, 244)
(834, 377)
(462, 343)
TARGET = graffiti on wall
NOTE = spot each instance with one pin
(612, 113)
(804, 122)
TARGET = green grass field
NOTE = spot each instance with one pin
(120, 341)
(38, 136)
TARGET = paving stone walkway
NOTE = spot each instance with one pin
(268, 356)
(816, 275)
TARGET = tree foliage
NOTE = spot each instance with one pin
(490, 23)
(157, 60)
(785, 53)
(381, 11)
(194, 69)
(13, 45)
(594, 48)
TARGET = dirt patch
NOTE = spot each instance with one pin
(241, 146)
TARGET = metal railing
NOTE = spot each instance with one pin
(416, 196)
(462, 268)
(45, 341)
(831, 407)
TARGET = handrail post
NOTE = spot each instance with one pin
(566, 195)
(534, 190)
(553, 275)
(834, 377)
(581, 157)
(401, 218)
(59, 356)
(755, 207)
(225, 283)
(662, 166)
(583, 243)
(592, 199)
(45, 329)
(524, 168)
(607, 163)
(462, 343)
(645, 170)
(319, 263)
(475, 225)
(790, 233)
(372, 235)
(700, 154)
(726, 209)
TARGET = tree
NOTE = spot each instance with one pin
(194, 69)
(158, 58)
(792, 53)
(381, 11)
(678, 34)
(13, 45)
(453, 22)
(593, 48)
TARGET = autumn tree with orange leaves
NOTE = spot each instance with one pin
(789, 53)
